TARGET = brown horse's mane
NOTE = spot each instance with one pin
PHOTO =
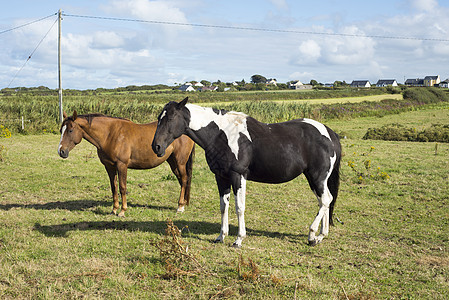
(90, 117)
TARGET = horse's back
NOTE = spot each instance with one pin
(282, 151)
(130, 143)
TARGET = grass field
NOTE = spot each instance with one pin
(328, 100)
(58, 240)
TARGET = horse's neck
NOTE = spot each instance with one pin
(231, 123)
(92, 133)
(200, 117)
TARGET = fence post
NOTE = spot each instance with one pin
(23, 124)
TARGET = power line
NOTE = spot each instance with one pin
(259, 29)
(32, 53)
(32, 22)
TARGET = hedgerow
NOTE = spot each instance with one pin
(398, 132)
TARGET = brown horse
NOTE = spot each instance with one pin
(122, 144)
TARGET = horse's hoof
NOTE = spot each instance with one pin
(237, 246)
(113, 213)
(121, 214)
(217, 241)
(313, 243)
(180, 209)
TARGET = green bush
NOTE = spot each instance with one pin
(397, 132)
(436, 133)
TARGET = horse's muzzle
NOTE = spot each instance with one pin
(63, 153)
(158, 150)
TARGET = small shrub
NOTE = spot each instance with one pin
(397, 132)
(175, 256)
(363, 168)
(436, 133)
(248, 270)
(4, 133)
(391, 132)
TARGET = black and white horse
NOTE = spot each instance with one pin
(239, 148)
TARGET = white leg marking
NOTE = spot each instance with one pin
(62, 135)
(322, 217)
(240, 210)
(224, 208)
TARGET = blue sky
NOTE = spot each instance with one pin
(105, 53)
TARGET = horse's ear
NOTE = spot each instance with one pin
(64, 115)
(75, 115)
(183, 102)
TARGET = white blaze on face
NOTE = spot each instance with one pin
(62, 135)
(321, 128)
(232, 124)
(162, 116)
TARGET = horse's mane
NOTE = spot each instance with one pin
(91, 117)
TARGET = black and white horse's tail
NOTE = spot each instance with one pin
(333, 183)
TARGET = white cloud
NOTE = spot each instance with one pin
(336, 50)
(163, 11)
(280, 4)
(424, 5)
(304, 77)
(309, 51)
(107, 39)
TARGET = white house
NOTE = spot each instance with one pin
(271, 81)
(386, 82)
(186, 88)
(361, 83)
(295, 85)
(444, 84)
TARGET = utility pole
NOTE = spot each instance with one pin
(61, 118)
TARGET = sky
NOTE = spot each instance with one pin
(104, 53)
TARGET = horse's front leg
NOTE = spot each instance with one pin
(112, 173)
(239, 188)
(224, 189)
(181, 174)
(122, 173)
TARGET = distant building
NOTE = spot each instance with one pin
(431, 80)
(271, 81)
(208, 88)
(186, 88)
(414, 82)
(361, 84)
(386, 82)
(295, 85)
(444, 84)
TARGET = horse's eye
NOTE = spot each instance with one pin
(71, 130)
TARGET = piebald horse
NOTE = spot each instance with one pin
(122, 144)
(239, 148)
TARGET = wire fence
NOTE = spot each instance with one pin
(21, 120)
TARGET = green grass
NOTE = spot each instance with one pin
(58, 240)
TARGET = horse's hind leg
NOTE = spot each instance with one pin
(320, 187)
(322, 217)
(224, 189)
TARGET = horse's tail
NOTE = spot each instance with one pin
(333, 183)
(189, 170)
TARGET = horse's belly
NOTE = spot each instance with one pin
(274, 175)
(145, 164)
